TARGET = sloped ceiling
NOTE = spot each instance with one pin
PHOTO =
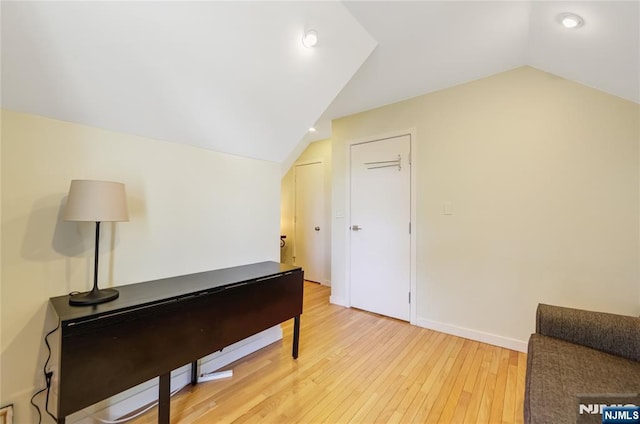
(603, 54)
(228, 76)
(234, 77)
(430, 45)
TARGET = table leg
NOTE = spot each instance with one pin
(194, 373)
(296, 336)
(164, 398)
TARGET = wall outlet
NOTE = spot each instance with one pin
(53, 369)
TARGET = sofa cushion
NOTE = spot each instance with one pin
(557, 371)
(611, 333)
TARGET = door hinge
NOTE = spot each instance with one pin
(409, 158)
(409, 297)
(409, 227)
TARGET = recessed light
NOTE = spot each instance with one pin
(312, 129)
(571, 20)
(310, 38)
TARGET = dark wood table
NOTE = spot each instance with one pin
(158, 326)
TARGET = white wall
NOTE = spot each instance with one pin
(317, 151)
(190, 210)
(542, 174)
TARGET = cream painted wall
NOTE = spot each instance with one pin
(542, 174)
(319, 150)
(190, 210)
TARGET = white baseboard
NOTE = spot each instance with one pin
(340, 301)
(476, 335)
(326, 282)
(146, 393)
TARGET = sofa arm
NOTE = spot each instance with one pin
(615, 334)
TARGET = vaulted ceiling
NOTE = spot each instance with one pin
(235, 77)
(228, 76)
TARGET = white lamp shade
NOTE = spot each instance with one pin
(96, 201)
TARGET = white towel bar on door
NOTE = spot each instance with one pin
(386, 164)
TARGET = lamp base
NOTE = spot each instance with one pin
(93, 297)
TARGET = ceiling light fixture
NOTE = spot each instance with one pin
(310, 38)
(312, 129)
(571, 20)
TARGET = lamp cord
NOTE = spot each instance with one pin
(47, 378)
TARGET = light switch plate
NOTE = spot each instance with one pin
(447, 208)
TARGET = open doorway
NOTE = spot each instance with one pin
(307, 181)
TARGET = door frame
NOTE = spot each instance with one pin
(324, 281)
(411, 132)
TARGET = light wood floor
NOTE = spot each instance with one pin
(358, 367)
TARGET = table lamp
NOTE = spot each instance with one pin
(95, 201)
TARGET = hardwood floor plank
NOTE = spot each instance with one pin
(437, 393)
(520, 384)
(450, 401)
(359, 367)
(467, 389)
(383, 409)
(477, 392)
(509, 407)
(382, 374)
(497, 405)
(422, 399)
(433, 353)
(489, 387)
(359, 382)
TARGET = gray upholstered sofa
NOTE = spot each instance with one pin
(576, 352)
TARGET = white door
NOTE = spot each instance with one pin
(380, 239)
(308, 221)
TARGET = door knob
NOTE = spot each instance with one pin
(355, 228)
(317, 228)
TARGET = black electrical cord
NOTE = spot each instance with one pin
(47, 378)
(36, 406)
